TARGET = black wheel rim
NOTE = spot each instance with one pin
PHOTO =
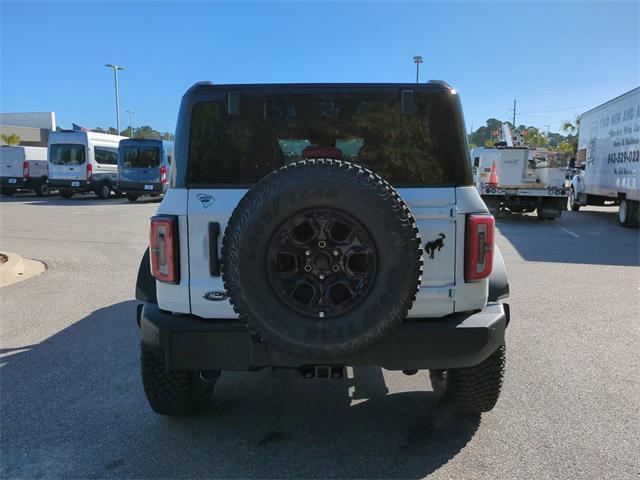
(321, 263)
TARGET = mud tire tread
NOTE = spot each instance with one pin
(174, 393)
(474, 389)
(263, 191)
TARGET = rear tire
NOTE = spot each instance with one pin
(628, 214)
(132, 197)
(174, 393)
(43, 190)
(66, 194)
(474, 389)
(103, 191)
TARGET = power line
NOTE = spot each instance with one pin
(564, 108)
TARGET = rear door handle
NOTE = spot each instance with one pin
(214, 261)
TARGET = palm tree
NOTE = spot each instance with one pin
(571, 128)
(11, 139)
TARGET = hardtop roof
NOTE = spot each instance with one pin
(282, 88)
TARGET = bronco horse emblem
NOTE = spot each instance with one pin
(434, 245)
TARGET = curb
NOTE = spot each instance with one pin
(17, 269)
(12, 267)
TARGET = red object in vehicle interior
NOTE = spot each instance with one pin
(322, 152)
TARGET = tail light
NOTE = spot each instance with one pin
(89, 172)
(479, 248)
(164, 248)
(163, 174)
(25, 169)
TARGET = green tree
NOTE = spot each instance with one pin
(534, 138)
(485, 133)
(144, 131)
(11, 139)
(573, 129)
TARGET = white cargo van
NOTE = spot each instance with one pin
(83, 162)
(23, 168)
(609, 150)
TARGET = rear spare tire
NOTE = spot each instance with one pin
(321, 258)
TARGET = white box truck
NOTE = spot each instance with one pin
(609, 150)
(23, 168)
(528, 180)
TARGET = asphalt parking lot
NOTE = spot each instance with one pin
(72, 404)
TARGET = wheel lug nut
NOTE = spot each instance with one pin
(335, 253)
(321, 276)
(322, 244)
(307, 268)
(335, 268)
(307, 253)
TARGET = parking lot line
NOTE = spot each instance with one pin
(569, 231)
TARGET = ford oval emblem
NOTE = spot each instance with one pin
(215, 296)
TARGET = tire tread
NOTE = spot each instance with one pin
(473, 389)
(178, 393)
(264, 190)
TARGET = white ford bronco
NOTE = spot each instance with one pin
(319, 226)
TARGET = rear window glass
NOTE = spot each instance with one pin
(423, 147)
(66, 154)
(106, 157)
(140, 157)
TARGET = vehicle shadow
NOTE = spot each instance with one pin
(73, 406)
(586, 237)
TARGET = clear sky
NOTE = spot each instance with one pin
(557, 58)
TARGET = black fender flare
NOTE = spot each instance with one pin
(146, 284)
(498, 281)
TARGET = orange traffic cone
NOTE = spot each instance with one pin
(493, 176)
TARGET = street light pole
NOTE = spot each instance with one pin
(417, 60)
(130, 112)
(115, 77)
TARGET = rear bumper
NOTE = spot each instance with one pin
(142, 188)
(190, 343)
(21, 182)
(72, 185)
(13, 182)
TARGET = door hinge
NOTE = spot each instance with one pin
(453, 211)
(452, 292)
